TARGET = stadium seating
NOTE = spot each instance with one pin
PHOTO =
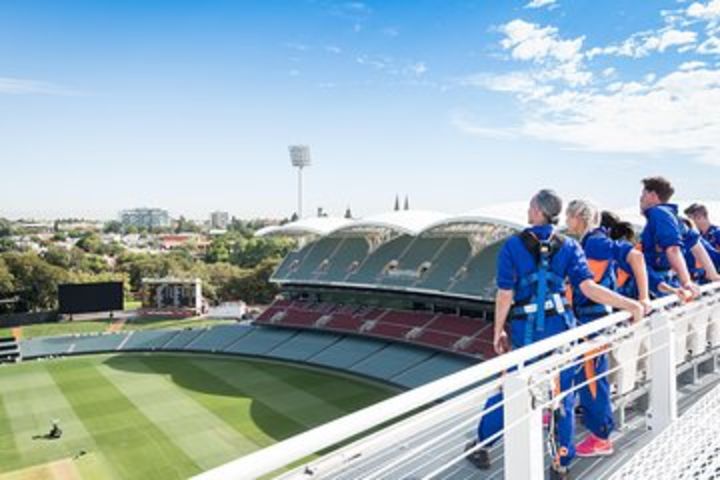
(433, 368)
(317, 252)
(407, 270)
(259, 341)
(369, 271)
(353, 251)
(347, 352)
(303, 346)
(290, 262)
(440, 331)
(9, 350)
(182, 339)
(391, 361)
(96, 343)
(454, 255)
(399, 364)
(217, 338)
(479, 277)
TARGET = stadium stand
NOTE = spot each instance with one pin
(9, 350)
(373, 266)
(218, 338)
(445, 267)
(259, 341)
(433, 368)
(374, 359)
(478, 277)
(303, 346)
(147, 340)
(182, 339)
(391, 361)
(347, 352)
(454, 333)
(96, 343)
(407, 270)
(317, 253)
(353, 251)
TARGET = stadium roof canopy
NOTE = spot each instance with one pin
(410, 222)
(510, 215)
(314, 226)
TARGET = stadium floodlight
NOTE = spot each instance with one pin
(300, 158)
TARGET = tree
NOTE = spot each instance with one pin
(6, 229)
(113, 226)
(91, 243)
(7, 281)
(36, 280)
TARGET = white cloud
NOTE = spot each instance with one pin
(333, 49)
(691, 65)
(556, 59)
(417, 69)
(642, 44)
(711, 46)
(705, 11)
(673, 114)
(562, 101)
(465, 124)
(671, 38)
(529, 41)
(21, 86)
(541, 3)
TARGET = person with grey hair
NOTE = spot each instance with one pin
(605, 256)
(534, 267)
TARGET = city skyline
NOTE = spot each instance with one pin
(191, 107)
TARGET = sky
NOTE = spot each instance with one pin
(191, 105)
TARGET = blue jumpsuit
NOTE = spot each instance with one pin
(516, 267)
(604, 256)
(712, 236)
(662, 231)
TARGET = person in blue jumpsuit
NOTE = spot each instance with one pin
(699, 215)
(533, 270)
(665, 239)
(700, 273)
(605, 257)
(626, 284)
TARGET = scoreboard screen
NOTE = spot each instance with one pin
(90, 297)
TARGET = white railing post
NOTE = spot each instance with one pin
(662, 409)
(524, 456)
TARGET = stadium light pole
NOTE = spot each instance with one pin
(300, 158)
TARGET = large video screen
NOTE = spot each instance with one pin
(90, 297)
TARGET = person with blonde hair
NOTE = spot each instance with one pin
(604, 256)
(534, 269)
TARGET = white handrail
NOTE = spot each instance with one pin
(302, 445)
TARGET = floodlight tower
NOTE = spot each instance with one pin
(300, 158)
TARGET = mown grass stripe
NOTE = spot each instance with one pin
(31, 404)
(131, 442)
(233, 403)
(197, 431)
(8, 448)
(305, 405)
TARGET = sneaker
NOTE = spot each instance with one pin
(479, 458)
(594, 446)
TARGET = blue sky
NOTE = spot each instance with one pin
(190, 106)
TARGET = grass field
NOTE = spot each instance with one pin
(102, 325)
(158, 416)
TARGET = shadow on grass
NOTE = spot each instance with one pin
(268, 414)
